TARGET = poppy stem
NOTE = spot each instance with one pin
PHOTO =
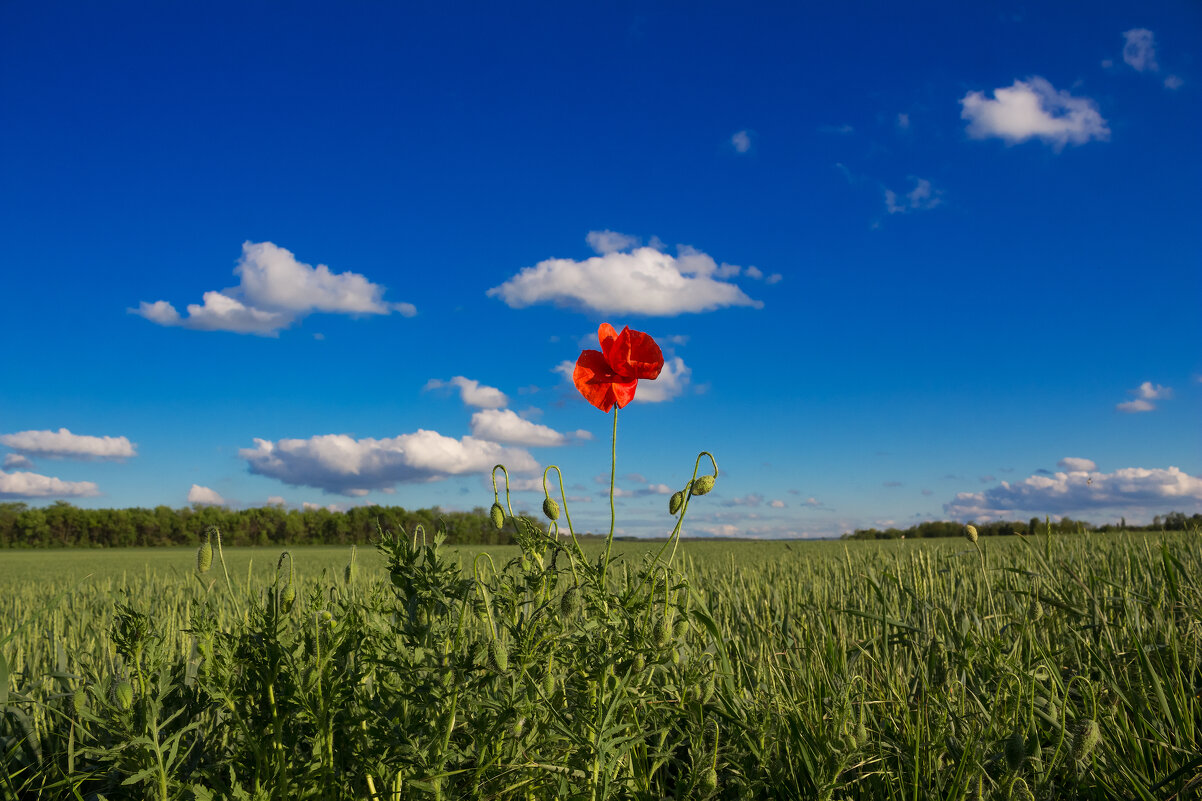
(613, 474)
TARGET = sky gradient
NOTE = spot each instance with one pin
(939, 262)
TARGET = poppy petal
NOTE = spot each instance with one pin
(594, 377)
(606, 336)
(635, 355)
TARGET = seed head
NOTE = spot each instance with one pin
(550, 508)
(970, 532)
(703, 485)
(204, 557)
(497, 514)
(79, 701)
(1085, 738)
(350, 572)
(675, 502)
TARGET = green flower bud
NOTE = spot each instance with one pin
(708, 781)
(123, 695)
(1016, 750)
(1085, 738)
(661, 635)
(639, 664)
(497, 514)
(703, 485)
(569, 604)
(79, 701)
(675, 502)
(498, 656)
(204, 557)
(970, 532)
(550, 508)
(680, 628)
(287, 598)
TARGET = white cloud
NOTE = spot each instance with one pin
(1173, 82)
(741, 141)
(672, 382)
(1074, 464)
(1144, 394)
(777, 504)
(472, 392)
(504, 425)
(276, 500)
(16, 460)
(1080, 491)
(204, 496)
(1139, 50)
(903, 121)
(1033, 109)
(603, 242)
(274, 291)
(62, 444)
(643, 281)
(921, 198)
(1135, 406)
(338, 463)
(1150, 391)
(32, 485)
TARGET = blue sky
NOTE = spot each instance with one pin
(923, 262)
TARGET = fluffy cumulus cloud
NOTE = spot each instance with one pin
(275, 290)
(1033, 109)
(1144, 394)
(338, 463)
(504, 425)
(921, 198)
(20, 484)
(643, 280)
(471, 392)
(1074, 491)
(607, 241)
(203, 496)
(62, 444)
(1139, 50)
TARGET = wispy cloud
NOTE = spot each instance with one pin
(338, 463)
(1139, 50)
(1075, 464)
(62, 444)
(741, 141)
(275, 290)
(1033, 109)
(21, 484)
(921, 198)
(644, 280)
(471, 392)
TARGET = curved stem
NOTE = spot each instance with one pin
(613, 474)
(564, 499)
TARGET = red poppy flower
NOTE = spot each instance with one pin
(608, 377)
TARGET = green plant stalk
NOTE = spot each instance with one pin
(613, 474)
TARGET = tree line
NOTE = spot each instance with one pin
(1173, 521)
(62, 525)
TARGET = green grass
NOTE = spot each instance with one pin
(866, 670)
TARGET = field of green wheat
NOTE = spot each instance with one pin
(1018, 668)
